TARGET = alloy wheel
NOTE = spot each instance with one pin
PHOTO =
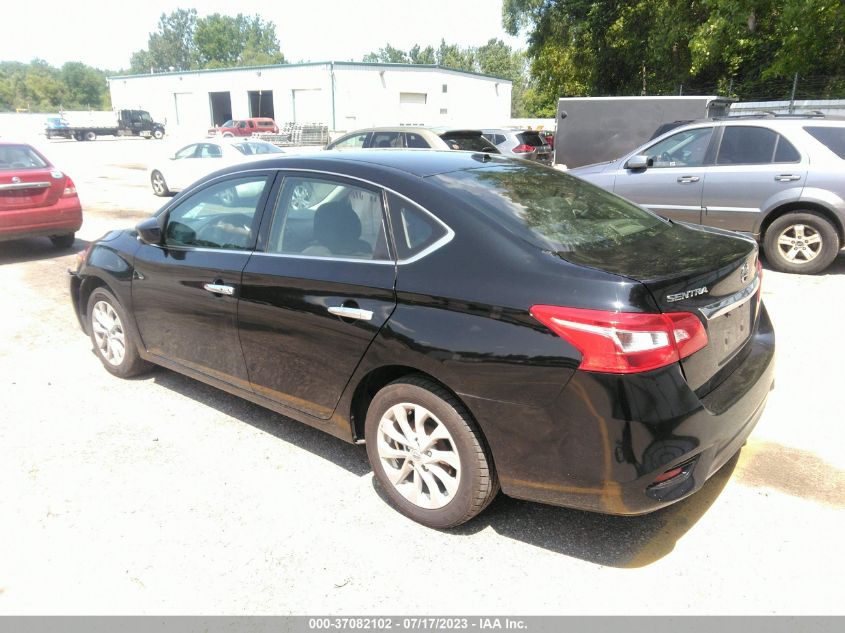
(799, 243)
(419, 456)
(109, 335)
(159, 186)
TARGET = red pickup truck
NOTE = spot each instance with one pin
(245, 127)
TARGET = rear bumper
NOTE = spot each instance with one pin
(607, 437)
(62, 218)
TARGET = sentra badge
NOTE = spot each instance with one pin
(687, 294)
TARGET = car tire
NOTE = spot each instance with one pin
(228, 135)
(801, 242)
(159, 184)
(78, 136)
(453, 459)
(114, 340)
(158, 134)
(63, 241)
(90, 135)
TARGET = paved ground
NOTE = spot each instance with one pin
(160, 495)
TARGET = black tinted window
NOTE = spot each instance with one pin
(467, 143)
(530, 138)
(414, 230)
(386, 139)
(415, 140)
(831, 137)
(554, 211)
(748, 146)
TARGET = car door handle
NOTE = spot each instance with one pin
(351, 313)
(220, 289)
(687, 179)
(787, 177)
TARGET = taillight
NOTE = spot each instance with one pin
(625, 342)
(70, 189)
(522, 149)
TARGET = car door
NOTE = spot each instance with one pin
(673, 182)
(316, 292)
(754, 168)
(178, 169)
(185, 290)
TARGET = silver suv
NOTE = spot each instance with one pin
(779, 179)
(525, 144)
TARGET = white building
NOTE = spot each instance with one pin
(342, 95)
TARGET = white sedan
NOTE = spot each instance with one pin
(193, 161)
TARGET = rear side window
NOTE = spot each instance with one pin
(743, 145)
(415, 140)
(386, 139)
(831, 137)
(20, 157)
(318, 217)
(414, 230)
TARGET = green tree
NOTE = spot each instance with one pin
(422, 56)
(172, 46)
(85, 87)
(389, 55)
(455, 57)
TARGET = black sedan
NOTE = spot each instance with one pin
(478, 322)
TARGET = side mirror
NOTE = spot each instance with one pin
(150, 230)
(640, 161)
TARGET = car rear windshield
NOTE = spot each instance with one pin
(832, 137)
(20, 157)
(468, 142)
(552, 210)
(530, 138)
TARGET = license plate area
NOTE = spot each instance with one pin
(728, 332)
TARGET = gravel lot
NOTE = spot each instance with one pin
(160, 495)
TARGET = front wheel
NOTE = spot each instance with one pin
(428, 454)
(801, 242)
(158, 134)
(114, 342)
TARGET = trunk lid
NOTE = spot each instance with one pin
(710, 273)
(30, 189)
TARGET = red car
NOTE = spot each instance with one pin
(245, 127)
(36, 199)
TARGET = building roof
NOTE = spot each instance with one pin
(394, 66)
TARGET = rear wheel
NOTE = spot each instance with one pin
(78, 136)
(428, 455)
(159, 184)
(801, 242)
(90, 135)
(63, 241)
(114, 342)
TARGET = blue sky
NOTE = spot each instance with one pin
(310, 30)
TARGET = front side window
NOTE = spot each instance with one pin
(747, 145)
(210, 150)
(188, 151)
(355, 141)
(222, 215)
(684, 149)
(325, 218)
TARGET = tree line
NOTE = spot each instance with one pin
(748, 49)
(40, 87)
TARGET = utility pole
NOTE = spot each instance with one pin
(792, 96)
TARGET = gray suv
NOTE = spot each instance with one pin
(525, 144)
(779, 179)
